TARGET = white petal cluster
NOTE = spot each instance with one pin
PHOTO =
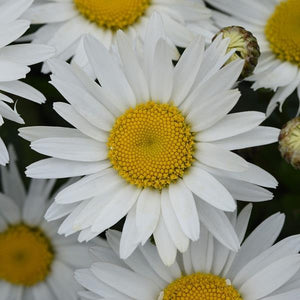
(259, 270)
(14, 62)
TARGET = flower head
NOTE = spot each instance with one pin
(35, 261)
(183, 20)
(154, 142)
(207, 270)
(275, 24)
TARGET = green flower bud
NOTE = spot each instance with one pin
(289, 142)
(246, 47)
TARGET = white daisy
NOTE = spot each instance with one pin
(35, 262)
(14, 61)
(275, 23)
(207, 271)
(153, 140)
(67, 21)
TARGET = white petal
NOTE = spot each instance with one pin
(129, 241)
(165, 246)
(3, 154)
(59, 168)
(186, 70)
(108, 72)
(34, 53)
(132, 68)
(231, 125)
(67, 112)
(78, 149)
(117, 208)
(11, 10)
(218, 224)
(220, 158)
(258, 241)
(206, 113)
(125, 281)
(88, 186)
(180, 240)
(147, 213)
(12, 71)
(22, 89)
(161, 82)
(9, 210)
(209, 189)
(50, 12)
(185, 209)
(272, 277)
(258, 136)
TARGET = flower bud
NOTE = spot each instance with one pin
(246, 47)
(289, 142)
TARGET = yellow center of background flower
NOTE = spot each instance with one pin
(151, 145)
(200, 286)
(26, 255)
(283, 31)
(112, 14)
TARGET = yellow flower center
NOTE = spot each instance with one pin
(283, 31)
(112, 14)
(151, 145)
(26, 255)
(200, 286)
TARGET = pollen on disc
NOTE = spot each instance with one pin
(112, 14)
(151, 145)
(26, 255)
(283, 31)
(200, 286)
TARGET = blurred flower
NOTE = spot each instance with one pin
(289, 142)
(14, 61)
(67, 22)
(245, 45)
(205, 271)
(35, 262)
(155, 143)
(275, 24)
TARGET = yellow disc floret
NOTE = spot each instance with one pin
(283, 31)
(112, 14)
(200, 286)
(26, 255)
(151, 145)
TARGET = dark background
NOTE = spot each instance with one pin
(286, 196)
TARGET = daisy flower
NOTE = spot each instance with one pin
(67, 21)
(14, 61)
(276, 27)
(35, 262)
(153, 140)
(207, 270)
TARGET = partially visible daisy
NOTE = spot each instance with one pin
(153, 140)
(67, 21)
(207, 271)
(276, 27)
(35, 262)
(14, 61)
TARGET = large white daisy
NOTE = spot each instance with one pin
(14, 61)
(207, 271)
(67, 21)
(275, 23)
(153, 140)
(35, 262)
